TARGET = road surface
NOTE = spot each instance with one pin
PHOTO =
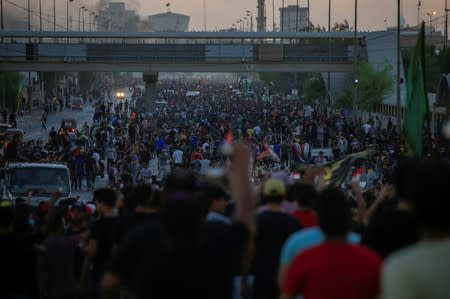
(31, 125)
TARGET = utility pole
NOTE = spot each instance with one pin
(273, 15)
(2, 25)
(204, 15)
(309, 20)
(261, 19)
(54, 15)
(419, 4)
(329, 52)
(40, 15)
(1, 16)
(399, 107)
(29, 40)
(446, 25)
(355, 62)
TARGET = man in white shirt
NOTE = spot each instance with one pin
(422, 271)
(177, 157)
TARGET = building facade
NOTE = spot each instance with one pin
(293, 18)
(168, 22)
(116, 17)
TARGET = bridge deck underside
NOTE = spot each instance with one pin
(308, 57)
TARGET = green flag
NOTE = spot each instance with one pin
(416, 106)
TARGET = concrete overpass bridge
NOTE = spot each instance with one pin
(154, 52)
(178, 51)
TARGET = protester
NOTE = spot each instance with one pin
(421, 270)
(186, 256)
(273, 228)
(334, 269)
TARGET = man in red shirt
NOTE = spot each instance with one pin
(304, 195)
(334, 269)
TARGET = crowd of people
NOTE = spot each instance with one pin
(220, 195)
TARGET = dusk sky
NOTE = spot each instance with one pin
(223, 13)
(371, 13)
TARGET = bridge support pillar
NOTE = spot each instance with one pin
(150, 95)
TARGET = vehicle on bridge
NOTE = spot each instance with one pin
(41, 178)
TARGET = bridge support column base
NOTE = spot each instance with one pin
(150, 95)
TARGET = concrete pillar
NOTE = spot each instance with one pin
(150, 95)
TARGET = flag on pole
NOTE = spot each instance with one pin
(416, 106)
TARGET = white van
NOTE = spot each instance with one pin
(41, 178)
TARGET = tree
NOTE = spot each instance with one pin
(437, 63)
(372, 87)
(340, 27)
(10, 86)
(314, 88)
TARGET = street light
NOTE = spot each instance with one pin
(96, 23)
(82, 12)
(431, 14)
(250, 14)
(91, 21)
(54, 15)
(67, 13)
(79, 17)
(355, 62)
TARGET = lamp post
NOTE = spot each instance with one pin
(309, 22)
(355, 62)
(204, 15)
(79, 17)
(67, 13)
(399, 107)
(54, 15)
(82, 13)
(446, 25)
(91, 20)
(430, 15)
(40, 15)
(246, 23)
(250, 14)
(329, 51)
(2, 25)
(96, 23)
(419, 4)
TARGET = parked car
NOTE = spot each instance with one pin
(76, 103)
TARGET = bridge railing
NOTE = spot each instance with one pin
(278, 38)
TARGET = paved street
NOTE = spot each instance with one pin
(31, 125)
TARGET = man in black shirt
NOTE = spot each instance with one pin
(18, 259)
(395, 226)
(146, 212)
(101, 238)
(273, 229)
